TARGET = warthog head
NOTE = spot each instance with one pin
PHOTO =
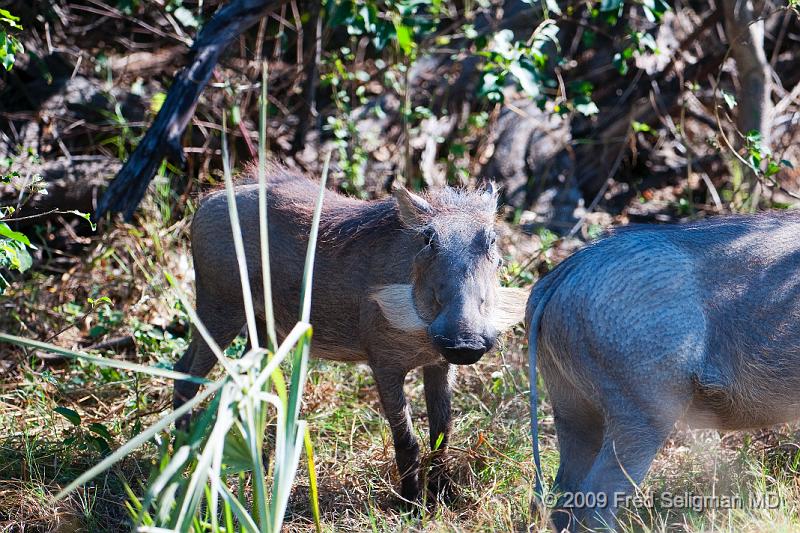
(454, 294)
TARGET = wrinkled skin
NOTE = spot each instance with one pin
(442, 246)
(659, 323)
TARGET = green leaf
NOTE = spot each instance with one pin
(185, 17)
(550, 5)
(730, 100)
(404, 38)
(100, 429)
(8, 233)
(585, 106)
(772, 168)
(157, 101)
(14, 255)
(581, 87)
(753, 136)
(641, 127)
(86, 216)
(527, 79)
(94, 302)
(69, 414)
(620, 63)
(654, 9)
(439, 441)
(8, 18)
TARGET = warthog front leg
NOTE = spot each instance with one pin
(438, 389)
(398, 412)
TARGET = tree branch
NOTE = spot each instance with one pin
(163, 139)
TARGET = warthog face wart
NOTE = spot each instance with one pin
(454, 276)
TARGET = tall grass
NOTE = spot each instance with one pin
(215, 478)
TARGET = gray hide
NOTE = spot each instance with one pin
(653, 324)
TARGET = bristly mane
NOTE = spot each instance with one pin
(346, 219)
(345, 222)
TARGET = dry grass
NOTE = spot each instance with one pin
(41, 450)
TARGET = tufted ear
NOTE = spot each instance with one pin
(414, 209)
(490, 190)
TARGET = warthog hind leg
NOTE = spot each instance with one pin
(579, 426)
(630, 443)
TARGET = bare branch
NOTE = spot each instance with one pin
(163, 139)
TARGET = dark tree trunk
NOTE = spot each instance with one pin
(164, 136)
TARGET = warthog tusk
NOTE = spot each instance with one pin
(397, 305)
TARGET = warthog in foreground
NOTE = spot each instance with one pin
(400, 283)
(653, 324)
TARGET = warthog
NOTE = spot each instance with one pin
(654, 324)
(400, 283)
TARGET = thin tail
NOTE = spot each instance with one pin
(546, 286)
(533, 330)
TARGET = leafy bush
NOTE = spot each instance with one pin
(10, 46)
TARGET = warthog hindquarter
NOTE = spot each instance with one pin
(654, 324)
(400, 283)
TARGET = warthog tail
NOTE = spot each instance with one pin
(539, 298)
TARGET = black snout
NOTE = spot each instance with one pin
(462, 351)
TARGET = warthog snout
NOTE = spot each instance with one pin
(462, 348)
(465, 351)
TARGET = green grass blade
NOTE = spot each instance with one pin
(139, 439)
(300, 363)
(308, 272)
(173, 467)
(197, 481)
(238, 244)
(312, 480)
(299, 329)
(262, 210)
(238, 509)
(254, 436)
(290, 460)
(102, 361)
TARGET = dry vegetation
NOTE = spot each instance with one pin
(111, 67)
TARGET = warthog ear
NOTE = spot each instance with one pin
(397, 305)
(414, 209)
(510, 310)
(491, 191)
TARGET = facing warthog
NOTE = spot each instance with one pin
(401, 283)
(653, 324)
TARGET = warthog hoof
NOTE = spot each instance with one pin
(442, 489)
